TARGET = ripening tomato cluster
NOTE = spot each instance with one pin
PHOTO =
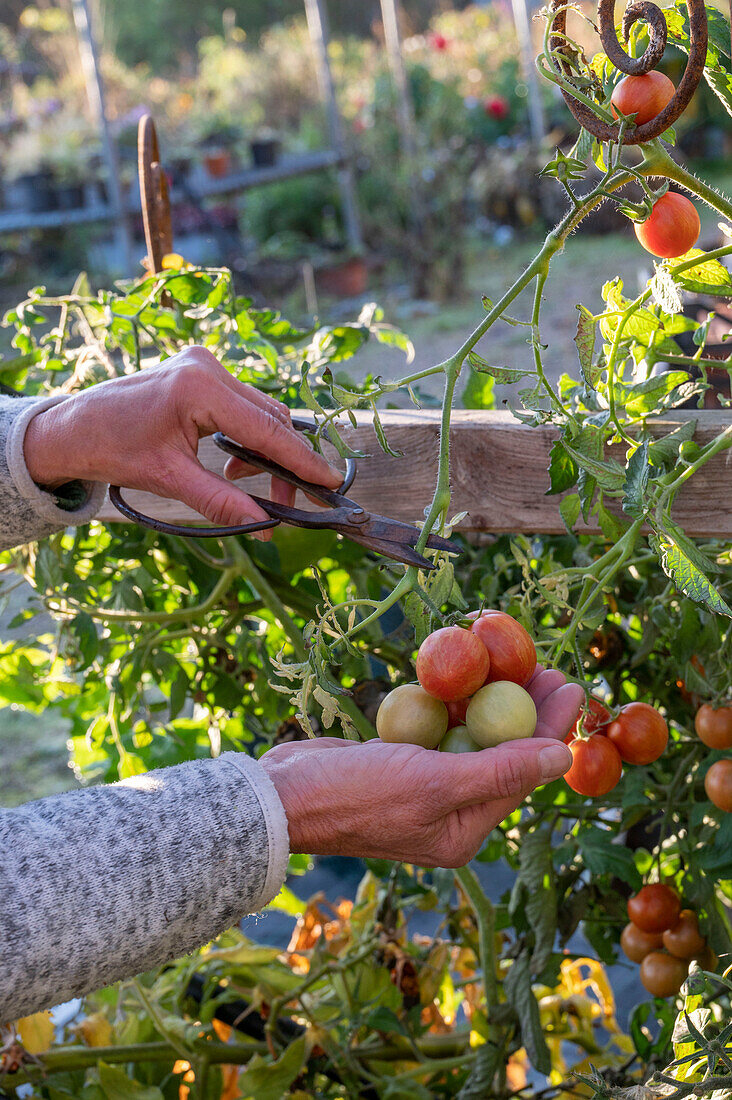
(637, 735)
(471, 691)
(673, 226)
(664, 939)
(714, 727)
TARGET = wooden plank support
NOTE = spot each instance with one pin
(498, 473)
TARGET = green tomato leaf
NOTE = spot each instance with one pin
(569, 510)
(602, 857)
(504, 375)
(608, 475)
(665, 451)
(636, 480)
(520, 995)
(116, 1085)
(478, 392)
(584, 339)
(271, 1080)
(562, 469)
(680, 561)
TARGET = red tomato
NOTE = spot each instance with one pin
(662, 974)
(594, 718)
(672, 229)
(718, 785)
(512, 651)
(654, 908)
(495, 106)
(596, 766)
(639, 733)
(714, 726)
(637, 944)
(456, 712)
(684, 940)
(452, 663)
(644, 96)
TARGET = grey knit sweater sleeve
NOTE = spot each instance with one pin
(27, 512)
(103, 883)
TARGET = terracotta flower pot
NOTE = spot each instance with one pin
(218, 163)
(346, 279)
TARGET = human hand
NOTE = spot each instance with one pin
(142, 432)
(395, 801)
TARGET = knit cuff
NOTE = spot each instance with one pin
(275, 819)
(77, 501)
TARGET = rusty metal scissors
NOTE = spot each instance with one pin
(390, 537)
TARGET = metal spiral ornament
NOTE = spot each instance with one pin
(650, 14)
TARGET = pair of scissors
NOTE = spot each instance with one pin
(390, 537)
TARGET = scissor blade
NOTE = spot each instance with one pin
(397, 551)
(395, 530)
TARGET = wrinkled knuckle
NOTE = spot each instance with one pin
(271, 427)
(216, 506)
(510, 777)
(195, 369)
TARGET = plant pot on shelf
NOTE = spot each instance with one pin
(30, 193)
(345, 279)
(217, 162)
(265, 152)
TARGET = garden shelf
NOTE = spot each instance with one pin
(286, 168)
(494, 463)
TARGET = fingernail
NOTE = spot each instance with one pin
(554, 760)
(336, 472)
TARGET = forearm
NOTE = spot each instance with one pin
(103, 883)
(27, 511)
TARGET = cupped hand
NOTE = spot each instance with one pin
(142, 432)
(394, 801)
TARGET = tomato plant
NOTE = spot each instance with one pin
(672, 228)
(643, 96)
(655, 908)
(596, 766)
(639, 733)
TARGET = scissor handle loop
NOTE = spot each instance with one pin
(185, 530)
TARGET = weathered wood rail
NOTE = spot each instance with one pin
(498, 473)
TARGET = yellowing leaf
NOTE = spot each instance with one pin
(36, 1032)
(96, 1030)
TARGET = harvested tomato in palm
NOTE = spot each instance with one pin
(408, 715)
(644, 96)
(684, 940)
(452, 663)
(639, 733)
(718, 785)
(663, 975)
(511, 648)
(456, 710)
(593, 719)
(672, 229)
(596, 766)
(654, 908)
(714, 726)
(637, 944)
(500, 711)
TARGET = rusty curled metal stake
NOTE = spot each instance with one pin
(154, 197)
(653, 16)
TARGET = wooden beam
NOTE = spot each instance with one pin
(498, 471)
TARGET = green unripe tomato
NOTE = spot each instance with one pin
(458, 740)
(499, 712)
(410, 716)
